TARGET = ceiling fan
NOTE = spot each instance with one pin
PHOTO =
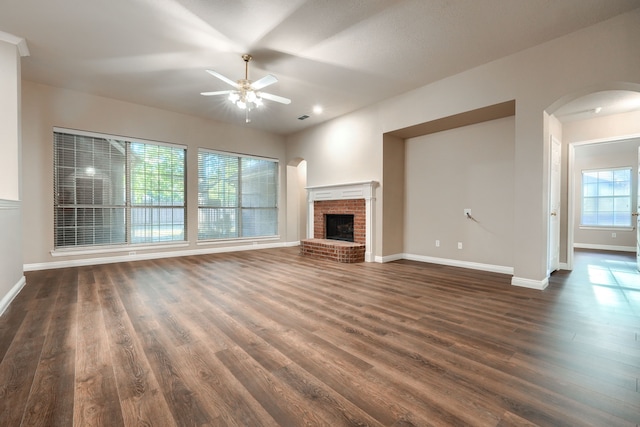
(246, 94)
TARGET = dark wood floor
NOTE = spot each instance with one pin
(270, 338)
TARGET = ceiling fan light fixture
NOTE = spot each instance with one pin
(246, 95)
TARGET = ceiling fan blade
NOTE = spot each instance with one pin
(220, 92)
(223, 78)
(275, 98)
(267, 80)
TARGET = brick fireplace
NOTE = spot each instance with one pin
(355, 207)
(356, 199)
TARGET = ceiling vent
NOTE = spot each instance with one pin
(303, 117)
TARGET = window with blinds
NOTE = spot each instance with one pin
(237, 196)
(113, 191)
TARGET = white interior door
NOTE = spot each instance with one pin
(555, 154)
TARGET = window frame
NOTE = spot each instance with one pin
(126, 204)
(239, 199)
(597, 197)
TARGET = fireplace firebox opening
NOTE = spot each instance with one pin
(339, 227)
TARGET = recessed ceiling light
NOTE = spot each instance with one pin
(317, 109)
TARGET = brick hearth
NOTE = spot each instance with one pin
(335, 250)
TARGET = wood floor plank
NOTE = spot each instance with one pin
(54, 377)
(141, 399)
(19, 365)
(287, 408)
(96, 400)
(271, 338)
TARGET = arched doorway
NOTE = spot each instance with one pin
(296, 200)
(605, 114)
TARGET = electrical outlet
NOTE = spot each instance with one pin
(613, 235)
(437, 243)
(459, 245)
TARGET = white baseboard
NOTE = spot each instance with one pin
(604, 247)
(457, 263)
(147, 256)
(388, 258)
(530, 283)
(9, 297)
(291, 244)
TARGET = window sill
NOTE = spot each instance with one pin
(590, 227)
(113, 249)
(238, 240)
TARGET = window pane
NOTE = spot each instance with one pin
(622, 188)
(590, 190)
(621, 219)
(606, 198)
(217, 180)
(217, 223)
(150, 225)
(590, 205)
(89, 226)
(157, 177)
(259, 183)
(605, 188)
(590, 218)
(259, 222)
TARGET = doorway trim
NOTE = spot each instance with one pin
(572, 200)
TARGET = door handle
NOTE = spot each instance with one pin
(553, 213)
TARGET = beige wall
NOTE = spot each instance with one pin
(446, 172)
(393, 214)
(536, 78)
(345, 150)
(45, 107)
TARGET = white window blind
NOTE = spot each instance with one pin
(237, 196)
(606, 198)
(110, 191)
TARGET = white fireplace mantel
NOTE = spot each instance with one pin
(355, 190)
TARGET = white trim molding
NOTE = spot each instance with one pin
(530, 283)
(10, 296)
(10, 204)
(19, 42)
(457, 263)
(355, 190)
(146, 256)
(604, 247)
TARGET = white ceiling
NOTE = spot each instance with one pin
(342, 54)
(596, 104)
